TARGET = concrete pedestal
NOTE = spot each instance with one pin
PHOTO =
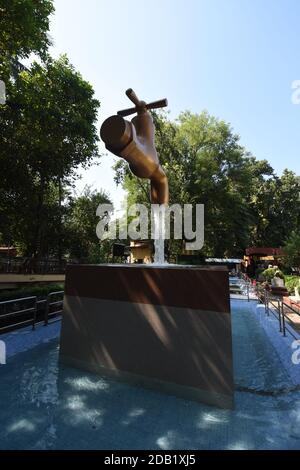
(165, 327)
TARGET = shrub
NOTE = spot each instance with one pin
(292, 250)
(39, 291)
(291, 282)
(270, 273)
(279, 274)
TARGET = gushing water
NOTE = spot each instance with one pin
(159, 236)
(159, 251)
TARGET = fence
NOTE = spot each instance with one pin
(280, 309)
(27, 308)
(30, 266)
(241, 288)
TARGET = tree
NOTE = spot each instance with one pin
(81, 225)
(275, 205)
(292, 251)
(205, 164)
(48, 131)
(24, 26)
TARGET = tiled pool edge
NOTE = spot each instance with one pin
(282, 344)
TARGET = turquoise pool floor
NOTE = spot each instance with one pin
(47, 406)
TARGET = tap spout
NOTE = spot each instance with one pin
(134, 141)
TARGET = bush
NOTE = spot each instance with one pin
(292, 250)
(291, 282)
(39, 291)
(270, 273)
(279, 274)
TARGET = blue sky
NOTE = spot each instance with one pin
(235, 58)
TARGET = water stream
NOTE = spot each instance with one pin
(159, 236)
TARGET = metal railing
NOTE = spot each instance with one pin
(15, 313)
(279, 308)
(49, 304)
(287, 320)
(245, 286)
(52, 308)
(21, 265)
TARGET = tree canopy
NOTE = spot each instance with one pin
(80, 227)
(48, 131)
(24, 26)
(292, 250)
(245, 203)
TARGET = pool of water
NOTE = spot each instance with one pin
(48, 406)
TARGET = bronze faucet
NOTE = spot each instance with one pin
(134, 141)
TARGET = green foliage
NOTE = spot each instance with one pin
(99, 252)
(279, 274)
(52, 112)
(291, 282)
(276, 209)
(246, 204)
(49, 129)
(292, 250)
(24, 26)
(206, 164)
(39, 291)
(270, 273)
(81, 225)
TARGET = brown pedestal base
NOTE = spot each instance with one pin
(167, 328)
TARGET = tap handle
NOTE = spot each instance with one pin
(132, 96)
(138, 104)
(157, 104)
(127, 112)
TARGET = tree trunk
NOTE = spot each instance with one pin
(37, 251)
(59, 231)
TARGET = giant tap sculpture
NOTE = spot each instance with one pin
(134, 141)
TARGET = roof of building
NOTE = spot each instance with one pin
(224, 260)
(264, 251)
